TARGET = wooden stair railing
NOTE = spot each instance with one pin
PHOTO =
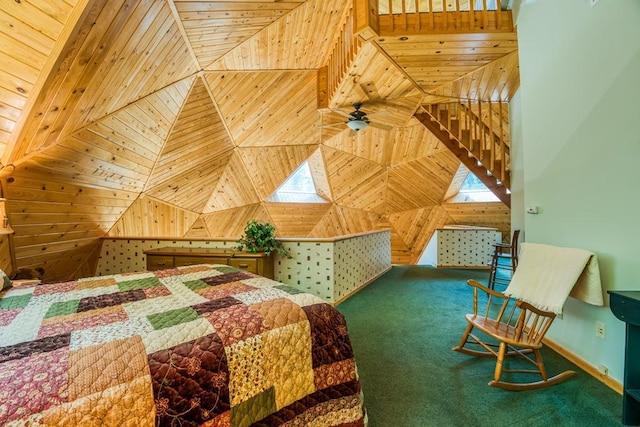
(475, 143)
(376, 18)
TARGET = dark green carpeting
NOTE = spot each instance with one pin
(402, 328)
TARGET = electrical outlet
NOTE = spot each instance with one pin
(603, 370)
(600, 330)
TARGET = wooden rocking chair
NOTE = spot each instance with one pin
(516, 329)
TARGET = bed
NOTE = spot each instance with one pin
(204, 345)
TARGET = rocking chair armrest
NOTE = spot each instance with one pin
(490, 294)
(485, 289)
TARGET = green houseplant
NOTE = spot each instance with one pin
(260, 237)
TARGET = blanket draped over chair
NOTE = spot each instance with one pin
(547, 275)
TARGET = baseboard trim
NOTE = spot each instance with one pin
(584, 365)
(359, 288)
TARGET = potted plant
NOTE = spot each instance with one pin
(260, 237)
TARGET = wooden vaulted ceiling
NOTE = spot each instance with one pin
(180, 118)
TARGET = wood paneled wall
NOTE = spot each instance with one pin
(180, 118)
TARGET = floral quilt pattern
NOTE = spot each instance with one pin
(204, 345)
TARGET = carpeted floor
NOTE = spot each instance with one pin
(402, 328)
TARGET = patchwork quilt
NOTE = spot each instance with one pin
(204, 345)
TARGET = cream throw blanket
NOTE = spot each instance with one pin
(546, 275)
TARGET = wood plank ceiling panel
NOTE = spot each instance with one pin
(193, 188)
(153, 218)
(319, 174)
(233, 189)
(194, 155)
(436, 60)
(29, 33)
(416, 227)
(246, 101)
(300, 40)
(58, 223)
(339, 221)
(296, 219)
(414, 142)
(355, 182)
(147, 54)
(420, 183)
(101, 70)
(231, 222)
(497, 80)
(370, 143)
(485, 214)
(377, 82)
(216, 27)
(269, 167)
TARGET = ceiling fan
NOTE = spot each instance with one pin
(358, 120)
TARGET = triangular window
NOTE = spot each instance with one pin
(474, 190)
(298, 188)
(466, 187)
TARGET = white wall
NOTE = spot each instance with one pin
(580, 141)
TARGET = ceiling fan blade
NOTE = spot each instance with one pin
(342, 113)
(380, 126)
(331, 124)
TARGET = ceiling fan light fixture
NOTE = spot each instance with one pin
(357, 124)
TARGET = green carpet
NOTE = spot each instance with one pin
(402, 328)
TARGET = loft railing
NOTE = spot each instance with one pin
(403, 17)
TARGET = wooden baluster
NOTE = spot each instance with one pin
(485, 15)
(404, 14)
(503, 152)
(458, 15)
(431, 15)
(418, 15)
(444, 15)
(492, 139)
(498, 15)
(483, 141)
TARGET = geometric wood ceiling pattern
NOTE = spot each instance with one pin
(180, 118)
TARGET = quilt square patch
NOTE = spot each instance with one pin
(145, 282)
(329, 335)
(26, 349)
(6, 316)
(234, 276)
(13, 302)
(97, 368)
(74, 322)
(95, 282)
(214, 305)
(254, 409)
(170, 318)
(54, 288)
(108, 300)
(236, 323)
(190, 382)
(226, 290)
(28, 391)
(279, 312)
(61, 308)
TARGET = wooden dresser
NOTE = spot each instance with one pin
(160, 258)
